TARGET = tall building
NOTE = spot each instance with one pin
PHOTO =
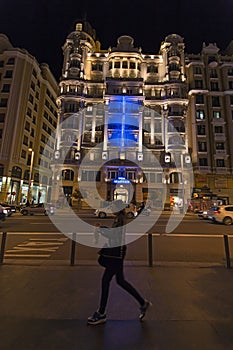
(28, 116)
(122, 122)
(210, 91)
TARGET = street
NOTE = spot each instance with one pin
(194, 240)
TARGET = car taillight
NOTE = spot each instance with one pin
(217, 211)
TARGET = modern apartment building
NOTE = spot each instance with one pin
(28, 116)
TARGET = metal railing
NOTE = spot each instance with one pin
(149, 249)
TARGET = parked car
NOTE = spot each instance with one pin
(6, 209)
(222, 214)
(206, 214)
(40, 208)
(2, 214)
(109, 211)
(11, 206)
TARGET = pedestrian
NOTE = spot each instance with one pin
(112, 258)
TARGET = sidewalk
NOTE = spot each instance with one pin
(45, 307)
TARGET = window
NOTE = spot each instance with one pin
(25, 140)
(200, 114)
(201, 130)
(3, 102)
(1, 133)
(34, 73)
(152, 68)
(117, 64)
(16, 172)
(230, 71)
(218, 129)
(27, 126)
(1, 63)
(6, 88)
(220, 145)
(125, 64)
(198, 84)
(132, 65)
(215, 101)
(23, 154)
(197, 70)
(30, 98)
(33, 86)
(202, 147)
(2, 117)
(29, 112)
(213, 73)
(230, 85)
(203, 161)
(214, 86)
(231, 99)
(216, 115)
(8, 74)
(11, 60)
(220, 163)
(97, 66)
(200, 99)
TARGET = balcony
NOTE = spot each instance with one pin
(221, 152)
(202, 169)
(220, 137)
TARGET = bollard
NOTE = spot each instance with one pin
(227, 251)
(73, 246)
(150, 250)
(3, 247)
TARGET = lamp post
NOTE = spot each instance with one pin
(30, 175)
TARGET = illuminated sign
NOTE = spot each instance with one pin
(121, 180)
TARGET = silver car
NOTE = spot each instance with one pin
(38, 209)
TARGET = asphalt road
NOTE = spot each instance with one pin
(189, 224)
(35, 238)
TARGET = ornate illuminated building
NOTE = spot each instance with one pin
(143, 115)
(127, 109)
(134, 125)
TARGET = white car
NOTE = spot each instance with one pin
(108, 211)
(222, 214)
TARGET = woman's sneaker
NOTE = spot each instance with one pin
(143, 309)
(97, 318)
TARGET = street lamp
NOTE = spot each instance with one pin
(30, 175)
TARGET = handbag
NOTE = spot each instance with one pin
(108, 257)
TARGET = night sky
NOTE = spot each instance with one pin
(41, 26)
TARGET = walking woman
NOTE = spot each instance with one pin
(112, 258)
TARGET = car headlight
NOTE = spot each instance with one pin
(5, 211)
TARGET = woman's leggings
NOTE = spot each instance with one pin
(120, 279)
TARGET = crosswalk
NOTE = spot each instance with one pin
(35, 248)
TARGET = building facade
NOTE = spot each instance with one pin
(28, 116)
(123, 122)
(210, 110)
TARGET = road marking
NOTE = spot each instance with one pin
(33, 247)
